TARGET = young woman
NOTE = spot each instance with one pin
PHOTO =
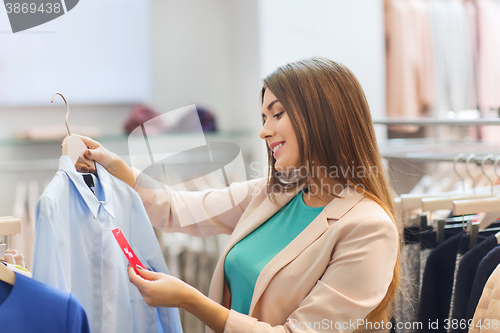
(314, 246)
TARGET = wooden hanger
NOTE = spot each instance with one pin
(72, 145)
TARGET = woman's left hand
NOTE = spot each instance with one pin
(158, 289)
(162, 290)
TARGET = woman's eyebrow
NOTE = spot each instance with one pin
(271, 104)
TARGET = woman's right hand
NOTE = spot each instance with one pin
(95, 152)
(110, 161)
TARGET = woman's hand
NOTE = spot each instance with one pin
(110, 161)
(163, 290)
(158, 289)
(95, 152)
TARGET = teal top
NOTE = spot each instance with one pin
(249, 256)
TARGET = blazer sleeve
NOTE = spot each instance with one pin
(354, 283)
(198, 213)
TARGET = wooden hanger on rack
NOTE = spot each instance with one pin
(489, 205)
(416, 201)
(72, 145)
(446, 202)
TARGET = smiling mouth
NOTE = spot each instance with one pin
(277, 148)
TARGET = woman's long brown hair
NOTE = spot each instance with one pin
(331, 119)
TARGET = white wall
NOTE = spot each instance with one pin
(191, 56)
(97, 53)
(351, 32)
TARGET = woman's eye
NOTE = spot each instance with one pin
(278, 115)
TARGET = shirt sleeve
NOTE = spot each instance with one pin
(50, 265)
(355, 282)
(199, 213)
(77, 321)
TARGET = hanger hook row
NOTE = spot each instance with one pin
(67, 109)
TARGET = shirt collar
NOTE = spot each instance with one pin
(90, 199)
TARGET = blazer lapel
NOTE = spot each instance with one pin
(334, 210)
(257, 216)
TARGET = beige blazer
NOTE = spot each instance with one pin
(487, 314)
(328, 279)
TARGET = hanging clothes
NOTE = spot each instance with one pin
(488, 14)
(438, 277)
(484, 270)
(487, 316)
(409, 59)
(406, 307)
(30, 306)
(419, 243)
(75, 250)
(465, 279)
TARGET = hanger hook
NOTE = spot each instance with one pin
(459, 156)
(489, 156)
(495, 166)
(67, 109)
(470, 157)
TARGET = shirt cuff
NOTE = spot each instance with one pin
(237, 322)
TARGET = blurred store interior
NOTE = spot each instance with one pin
(120, 63)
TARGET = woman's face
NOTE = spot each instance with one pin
(279, 134)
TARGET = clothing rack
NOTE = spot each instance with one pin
(424, 150)
(437, 122)
(438, 157)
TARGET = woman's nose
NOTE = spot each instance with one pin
(266, 132)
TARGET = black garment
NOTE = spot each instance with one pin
(438, 282)
(437, 285)
(484, 270)
(465, 278)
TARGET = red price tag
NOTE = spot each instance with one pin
(127, 250)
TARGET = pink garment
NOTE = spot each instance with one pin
(488, 76)
(488, 18)
(409, 58)
(424, 57)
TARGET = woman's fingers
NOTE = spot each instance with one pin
(95, 152)
(100, 155)
(91, 144)
(158, 289)
(143, 274)
(82, 167)
(147, 275)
